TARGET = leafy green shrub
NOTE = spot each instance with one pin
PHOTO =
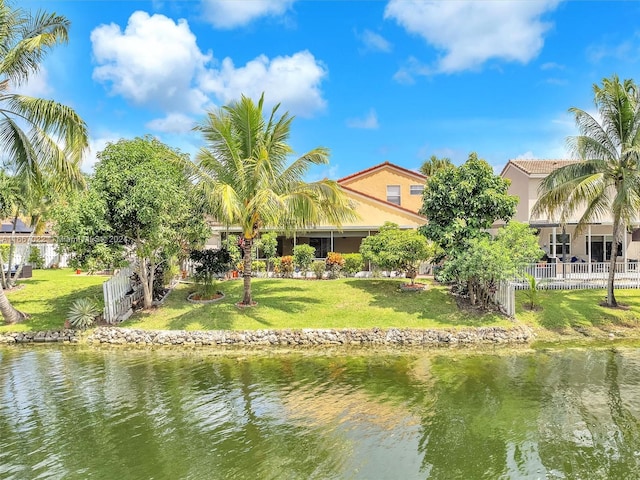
(35, 258)
(353, 263)
(4, 251)
(258, 266)
(208, 265)
(532, 293)
(303, 256)
(318, 268)
(335, 262)
(83, 313)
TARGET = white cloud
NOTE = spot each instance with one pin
(552, 66)
(172, 123)
(152, 62)
(236, 13)
(469, 32)
(526, 156)
(369, 122)
(292, 80)
(155, 62)
(374, 42)
(37, 86)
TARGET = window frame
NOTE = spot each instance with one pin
(391, 197)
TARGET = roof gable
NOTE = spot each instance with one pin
(381, 166)
(537, 167)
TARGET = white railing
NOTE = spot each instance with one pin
(579, 275)
(505, 297)
(119, 296)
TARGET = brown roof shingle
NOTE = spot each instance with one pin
(539, 167)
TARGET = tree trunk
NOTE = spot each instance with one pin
(9, 313)
(611, 298)
(12, 281)
(12, 248)
(147, 293)
(3, 278)
(247, 247)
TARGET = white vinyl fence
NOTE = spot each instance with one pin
(120, 295)
(47, 250)
(567, 276)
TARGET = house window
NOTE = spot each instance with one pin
(393, 194)
(416, 189)
(562, 245)
(322, 246)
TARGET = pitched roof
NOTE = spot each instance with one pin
(21, 227)
(383, 202)
(379, 166)
(538, 167)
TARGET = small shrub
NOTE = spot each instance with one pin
(303, 256)
(35, 258)
(353, 263)
(83, 313)
(286, 266)
(532, 293)
(334, 262)
(258, 266)
(318, 268)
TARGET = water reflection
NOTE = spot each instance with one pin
(73, 413)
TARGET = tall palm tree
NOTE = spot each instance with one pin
(38, 137)
(606, 180)
(433, 164)
(249, 180)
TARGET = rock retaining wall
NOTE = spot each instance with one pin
(310, 337)
(62, 336)
(303, 337)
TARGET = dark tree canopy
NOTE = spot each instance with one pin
(461, 203)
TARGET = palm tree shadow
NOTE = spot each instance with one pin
(435, 304)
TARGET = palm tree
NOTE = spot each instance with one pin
(245, 172)
(433, 164)
(606, 180)
(39, 138)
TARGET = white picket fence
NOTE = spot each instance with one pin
(119, 296)
(48, 251)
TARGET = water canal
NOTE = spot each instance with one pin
(77, 413)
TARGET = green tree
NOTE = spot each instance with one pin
(141, 202)
(461, 203)
(38, 137)
(303, 255)
(395, 249)
(488, 261)
(268, 243)
(606, 180)
(249, 181)
(434, 164)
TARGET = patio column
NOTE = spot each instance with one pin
(553, 243)
(589, 246)
(332, 241)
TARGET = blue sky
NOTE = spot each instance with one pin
(396, 80)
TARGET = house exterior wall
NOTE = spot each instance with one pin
(375, 184)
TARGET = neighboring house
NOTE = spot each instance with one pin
(593, 244)
(45, 242)
(382, 193)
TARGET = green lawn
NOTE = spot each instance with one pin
(48, 296)
(564, 311)
(343, 303)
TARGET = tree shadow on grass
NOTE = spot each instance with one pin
(564, 310)
(435, 303)
(224, 314)
(48, 312)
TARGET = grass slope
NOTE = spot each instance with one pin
(287, 303)
(48, 296)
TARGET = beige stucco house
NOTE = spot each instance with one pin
(593, 244)
(382, 193)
